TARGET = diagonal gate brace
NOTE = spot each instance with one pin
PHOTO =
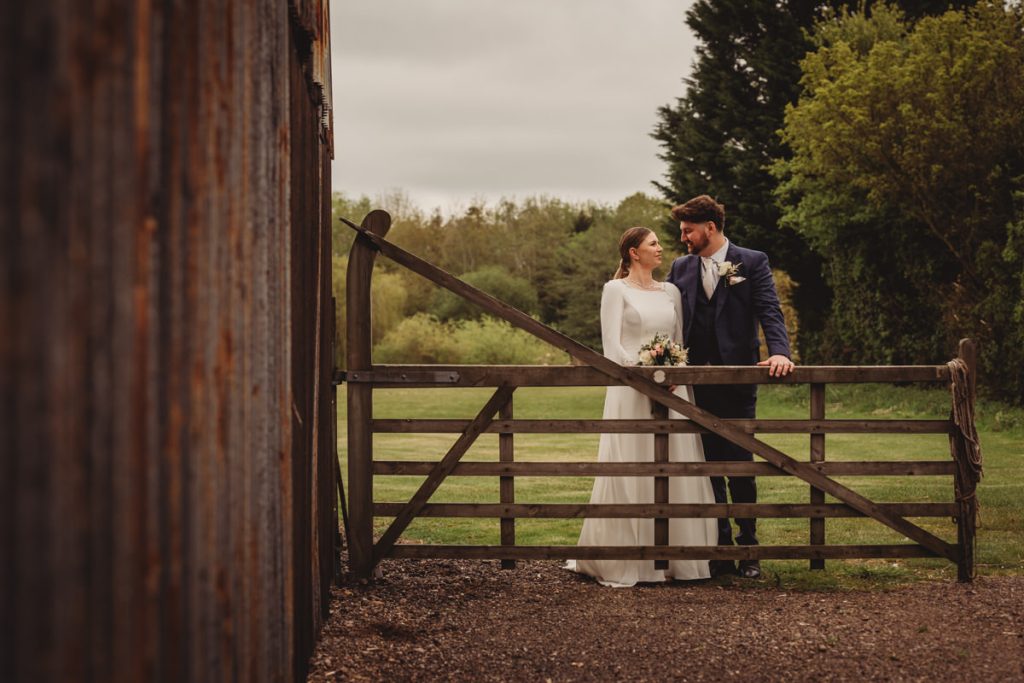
(441, 470)
(658, 393)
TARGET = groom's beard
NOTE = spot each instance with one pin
(693, 247)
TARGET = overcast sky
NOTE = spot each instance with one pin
(459, 100)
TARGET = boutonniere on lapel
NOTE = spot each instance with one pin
(731, 272)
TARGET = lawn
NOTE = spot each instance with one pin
(1000, 535)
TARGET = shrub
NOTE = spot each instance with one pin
(419, 339)
(494, 280)
(424, 339)
(495, 342)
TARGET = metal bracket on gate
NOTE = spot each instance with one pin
(402, 377)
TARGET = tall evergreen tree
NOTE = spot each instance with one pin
(913, 194)
(721, 136)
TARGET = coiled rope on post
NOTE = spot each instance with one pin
(966, 447)
(966, 451)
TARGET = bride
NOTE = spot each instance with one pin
(634, 308)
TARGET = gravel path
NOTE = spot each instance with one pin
(444, 620)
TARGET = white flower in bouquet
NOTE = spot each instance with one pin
(662, 351)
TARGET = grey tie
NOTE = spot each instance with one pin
(708, 277)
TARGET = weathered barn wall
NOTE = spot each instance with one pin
(166, 494)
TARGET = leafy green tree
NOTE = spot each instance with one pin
(527, 235)
(494, 280)
(342, 206)
(720, 137)
(588, 259)
(512, 249)
(908, 159)
(519, 237)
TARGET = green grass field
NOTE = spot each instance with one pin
(1000, 535)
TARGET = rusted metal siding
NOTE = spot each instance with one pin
(167, 470)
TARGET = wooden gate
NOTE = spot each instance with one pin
(362, 376)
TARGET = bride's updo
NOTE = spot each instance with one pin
(631, 239)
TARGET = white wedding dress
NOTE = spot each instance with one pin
(630, 317)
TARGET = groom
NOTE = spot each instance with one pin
(727, 292)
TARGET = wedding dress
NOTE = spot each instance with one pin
(630, 317)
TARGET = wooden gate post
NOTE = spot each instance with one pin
(507, 485)
(967, 502)
(817, 455)
(660, 412)
(360, 396)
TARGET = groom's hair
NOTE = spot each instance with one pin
(700, 210)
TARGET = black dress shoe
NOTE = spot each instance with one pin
(722, 568)
(749, 569)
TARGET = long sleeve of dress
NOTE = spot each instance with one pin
(612, 303)
(677, 302)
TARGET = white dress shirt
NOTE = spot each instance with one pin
(709, 269)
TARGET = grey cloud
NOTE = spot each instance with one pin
(451, 99)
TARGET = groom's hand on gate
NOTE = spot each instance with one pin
(778, 366)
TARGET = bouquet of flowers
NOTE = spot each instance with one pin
(662, 351)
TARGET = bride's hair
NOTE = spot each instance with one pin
(631, 239)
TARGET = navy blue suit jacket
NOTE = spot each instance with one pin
(739, 308)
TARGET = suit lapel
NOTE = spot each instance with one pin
(722, 290)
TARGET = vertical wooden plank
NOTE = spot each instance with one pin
(337, 490)
(506, 485)
(817, 455)
(360, 397)
(660, 412)
(328, 523)
(174, 222)
(305, 343)
(13, 362)
(272, 646)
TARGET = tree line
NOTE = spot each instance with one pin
(543, 255)
(873, 150)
